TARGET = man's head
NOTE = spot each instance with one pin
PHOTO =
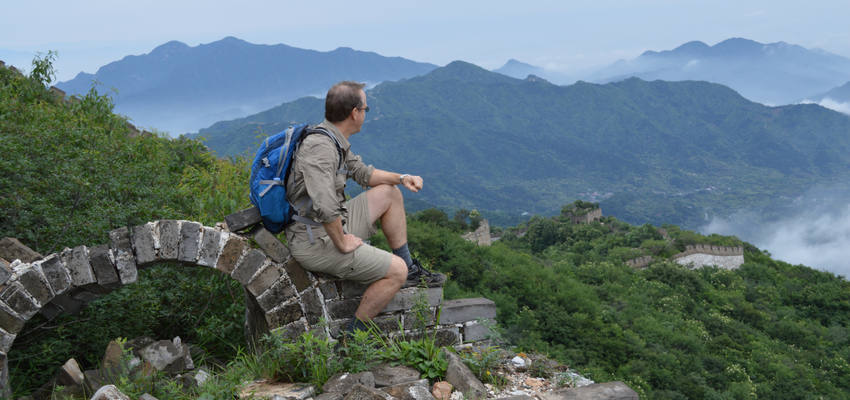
(343, 99)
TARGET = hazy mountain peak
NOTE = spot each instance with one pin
(464, 71)
(170, 47)
(514, 63)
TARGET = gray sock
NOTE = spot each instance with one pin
(404, 253)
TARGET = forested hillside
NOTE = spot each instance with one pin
(659, 152)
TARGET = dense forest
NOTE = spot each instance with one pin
(71, 172)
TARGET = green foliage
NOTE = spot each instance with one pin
(423, 354)
(483, 363)
(307, 359)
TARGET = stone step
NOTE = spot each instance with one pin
(465, 310)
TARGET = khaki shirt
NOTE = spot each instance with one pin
(315, 175)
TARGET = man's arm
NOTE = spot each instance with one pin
(344, 242)
(379, 177)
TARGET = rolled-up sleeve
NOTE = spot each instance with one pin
(318, 162)
(357, 170)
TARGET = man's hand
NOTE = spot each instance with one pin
(349, 243)
(412, 182)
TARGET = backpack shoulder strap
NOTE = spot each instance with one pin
(315, 129)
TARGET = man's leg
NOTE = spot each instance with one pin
(387, 204)
(380, 292)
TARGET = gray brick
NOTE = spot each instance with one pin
(299, 276)
(270, 244)
(6, 340)
(265, 278)
(329, 290)
(210, 247)
(50, 311)
(57, 275)
(68, 304)
(476, 332)
(283, 315)
(405, 299)
(19, 301)
(125, 263)
(414, 321)
(169, 238)
(5, 271)
(243, 219)
(388, 323)
(12, 249)
(190, 239)
(463, 310)
(85, 295)
(103, 267)
(120, 239)
(143, 243)
(290, 331)
(10, 321)
(230, 254)
(77, 262)
(351, 289)
(444, 337)
(340, 309)
(281, 292)
(34, 282)
(312, 302)
(248, 266)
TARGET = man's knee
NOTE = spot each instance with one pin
(397, 271)
(391, 192)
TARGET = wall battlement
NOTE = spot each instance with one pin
(710, 249)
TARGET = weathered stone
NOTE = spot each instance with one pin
(168, 355)
(243, 219)
(444, 337)
(147, 397)
(33, 280)
(312, 306)
(68, 303)
(406, 299)
(6, 340)
(10, 321)
(284, 314)
(210, 247)
(109, 392)
(248, 266)
(361, 392)
(5, 271)
(190, 240)
(255, 322)
(12, 249)
(70, 374)
(462, 378)
(280, 292)
(414, 319)
(270, 244)
(230, 253)
(94, 380)
(143, 243)
(329, 290)
(339, 309)
(119, 239)
(50, 311)
(387, 323)
(388, 375)
(265, 278)
(125, 263)
(19, 301)
(415, 390)
(329, 396)
(596, 391)
(290, 331)
(169, 238)
(77, 262)
(475, 331)
(463, 310)
(442, 390)
(517, 397)
(344, 382)
(297, 274)
(276, 390)
(84, 294)
(104, 269)
(56, 274)
(111, 363)
(351, 289)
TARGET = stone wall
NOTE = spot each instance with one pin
(591, 216)
(281, 296)
(480, 236)
(701, 255)
(639, 262)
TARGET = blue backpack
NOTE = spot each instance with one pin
(270, 171)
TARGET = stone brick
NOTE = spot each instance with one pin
(281, 292)
(462, 378)
(360, 392)
(169, 238)
(243, 219)
(56, 274)
(283, 315)
(230, 254)
(463, 310)
(329, 290)
(19, 301)
(339, 309)
(103, 267)
(313, 308)
(120, 239)
(270, 244)
(143, 243)
(248, 266)
(405, 299)
(33, 280)
(387, 323)
(77, 262)
(5, 271)
(414, 321)
(351, 289)
(475, 332)
(210, 247)
(12, 249)
(68, 304)
(289, 331)
(190, 239)
(443, 337)
(343, 382)
(265, 278)
(125, 263)
(608, 390)
(297, 274)
(6, 340)
(10, 321)
(50, 311)
(392, 375)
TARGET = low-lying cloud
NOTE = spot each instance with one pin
(835, 105)
(817, 236)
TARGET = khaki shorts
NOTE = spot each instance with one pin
(366, 264)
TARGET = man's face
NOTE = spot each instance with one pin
(360, 113)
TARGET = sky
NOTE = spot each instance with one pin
(569, 36)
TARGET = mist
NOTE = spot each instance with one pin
(814, 231)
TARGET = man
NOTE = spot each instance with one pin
(328, 234)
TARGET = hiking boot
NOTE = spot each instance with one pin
(417, 275)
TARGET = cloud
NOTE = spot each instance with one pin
(817, 235)
(835, 105)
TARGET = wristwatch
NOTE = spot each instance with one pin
(401, 178)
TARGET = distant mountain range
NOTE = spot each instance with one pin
(839, 94)
(180, 89)
(773, 73)
(661, 152)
